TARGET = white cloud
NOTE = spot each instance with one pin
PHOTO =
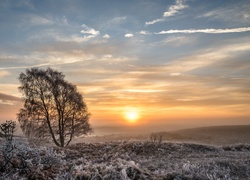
(144, 32)
(128, 35)
(171, 11)
(106, 36)
(210, 31)
(73, 38)
(175, 9)
(155, 21)
(89, 31)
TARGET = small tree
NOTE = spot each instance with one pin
(52, 107)
(7, 129)
(157, 137)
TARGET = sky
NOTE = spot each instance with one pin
(170, 62)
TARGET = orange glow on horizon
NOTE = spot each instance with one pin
(131, 115)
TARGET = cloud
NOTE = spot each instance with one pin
(117, 20)
(208, 57)
(64, 50)
(164, 90)
(175, 9)
(4, 73)
(5, 98)
(9, 104)
(9, 89)
(171, 11)
(114, 21)
(17, 4)
(106, 36)
(144, 32)
(38, 20)
(90, 32)
(236, 13)
(175, 41)
(45, 57)
(128, 35)
(209, 31)
(76, 38)
(175, 74)
(155, 21)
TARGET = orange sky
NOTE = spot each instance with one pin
(173, 62)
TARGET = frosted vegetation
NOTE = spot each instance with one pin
(20, 159)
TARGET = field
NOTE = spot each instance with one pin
(135, 158)
(211, 135)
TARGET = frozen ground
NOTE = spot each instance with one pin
(148, 160)
(127, 157)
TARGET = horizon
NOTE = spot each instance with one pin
(138, 64)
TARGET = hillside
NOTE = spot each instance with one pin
(213, 135)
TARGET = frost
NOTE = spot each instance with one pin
(124, 161)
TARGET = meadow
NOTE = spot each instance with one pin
(132, 157)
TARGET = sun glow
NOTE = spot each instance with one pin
(131, 115)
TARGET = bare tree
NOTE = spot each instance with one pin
(157, 137)
(52, 107)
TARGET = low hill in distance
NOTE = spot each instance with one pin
(213, 135)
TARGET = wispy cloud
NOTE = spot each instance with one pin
(117, 20)
(209, 31)
(6, 97)
(175, 9)
(38, 20)
(144, 32)
(175, 41)
(239, 13)
(89, 32)
(155, 21)
(4, 73)
(106, 36)
(114, 21)
(171, 11)
(43, 59)
(208, 57)
(128, 35)
(9, 89)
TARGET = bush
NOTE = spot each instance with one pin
(19, 160)
(7, 130)
(157, 137)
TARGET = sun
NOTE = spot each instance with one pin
(131, 115)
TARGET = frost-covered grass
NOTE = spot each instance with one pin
(129, 160)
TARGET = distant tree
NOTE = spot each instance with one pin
(157, 137)
(7, 130)
(53, 109)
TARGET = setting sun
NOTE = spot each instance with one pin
(131, 115)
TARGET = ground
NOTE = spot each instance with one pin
(129, 157)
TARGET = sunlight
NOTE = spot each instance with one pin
(131, 115)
